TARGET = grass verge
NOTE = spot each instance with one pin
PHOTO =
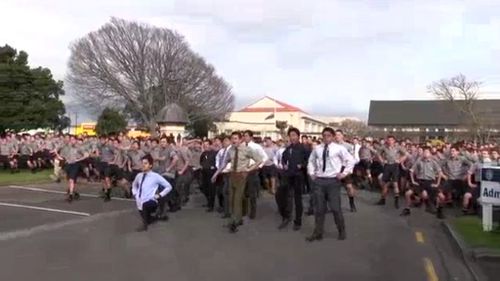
(471, 231)
(24, 177)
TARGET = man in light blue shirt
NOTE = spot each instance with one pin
(150, 190)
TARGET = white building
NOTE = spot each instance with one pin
(262, 115)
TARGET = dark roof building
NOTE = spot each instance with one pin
(431, 118)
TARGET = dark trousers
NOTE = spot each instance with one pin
(223, 185)
(252, 187)
(182, 185)
(207, 187)
(306, 181)
(280, 193)
(173, 197)
(148, 208)
(219, 191)
(290, 195)
(327, 191)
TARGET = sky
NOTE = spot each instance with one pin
(328, 57)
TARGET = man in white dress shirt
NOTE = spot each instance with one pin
(324, 168)
(221, 176)
(150, 190)
(253, 180)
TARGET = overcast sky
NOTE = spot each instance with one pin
(325, 56)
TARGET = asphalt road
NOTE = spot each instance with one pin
(99, 242)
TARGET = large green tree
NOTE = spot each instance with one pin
(110, 122)
(29, 97)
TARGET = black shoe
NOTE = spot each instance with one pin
(296, 227)
(210, 210)
(439, 213)
(310, 212)
(69, 198)
(284, 224)
(220, 210)
(353, 208)
(225, 216)
(342, 234)
(142, 228)
(77, 196)
(406, 212)
(396, 202)
(233, 228)
(314, 237)
(204, 205)
(162, 218)
(107, 195)
(381, 202)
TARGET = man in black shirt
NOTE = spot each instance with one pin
(294, 159)
(208, 168)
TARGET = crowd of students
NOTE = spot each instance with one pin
(232, 172)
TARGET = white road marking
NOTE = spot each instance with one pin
(63, 192)
(44, 209)
(4, 236)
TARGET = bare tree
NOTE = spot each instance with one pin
(354, 127)
(282, 126)
(140, 69)
(463, 94)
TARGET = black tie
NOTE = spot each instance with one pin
(325, 155)
(140, 186)
(235, 159)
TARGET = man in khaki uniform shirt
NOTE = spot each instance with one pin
(239, 155)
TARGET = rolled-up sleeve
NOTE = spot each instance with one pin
(161, 181)
(348, 160)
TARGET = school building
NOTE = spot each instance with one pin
(262, 115)
(420, 120)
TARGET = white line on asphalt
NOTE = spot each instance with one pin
(44, 209)
(4, 236)
(62, 192)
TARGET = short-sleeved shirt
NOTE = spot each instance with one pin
(365, 153)
(25, 149)
(71, 153)
(107, 153)
(245, 155)
(168, 153)
(426, 169)
(183, 156)
(392, 154)
(135, 157)
(194, 159)
(4, 149)
(455, 168)
(120, 158)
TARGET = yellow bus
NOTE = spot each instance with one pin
(86, 129)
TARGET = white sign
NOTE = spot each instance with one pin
(490, 194)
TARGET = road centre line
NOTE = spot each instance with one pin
(429, 269)
(44, 209)
(419, 236)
